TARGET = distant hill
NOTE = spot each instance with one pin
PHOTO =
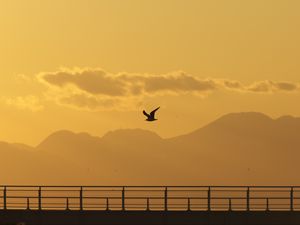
(236, 149)
(25, 165)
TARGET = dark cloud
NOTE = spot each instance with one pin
(272, 86)
(286, 86)
(261, 87)
(96, 89)
(233, 84)
(91, 81)
(178, 83)
(98, 82)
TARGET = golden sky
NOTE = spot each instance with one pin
(94, 65)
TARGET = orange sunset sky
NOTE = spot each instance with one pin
(94, 65)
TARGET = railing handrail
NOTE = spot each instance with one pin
(154, 186)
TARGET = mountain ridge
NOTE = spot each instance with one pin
(235, 149)
(220, 119)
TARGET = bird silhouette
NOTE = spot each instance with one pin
(151, 116)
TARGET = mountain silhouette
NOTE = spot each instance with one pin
(236, 149)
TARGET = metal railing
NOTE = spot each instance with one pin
(159, 198)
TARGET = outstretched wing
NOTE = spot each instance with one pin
(153, 112)
(146, 114)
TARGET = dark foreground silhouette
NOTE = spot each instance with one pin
(147, 218)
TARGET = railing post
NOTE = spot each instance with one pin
(4, 199)
(40, 198)
(248, 199)
(189, 204)
(107, 203)
(292, 199)
(148, 204)
(28, 204)
(230, 206)
(267, 209)
(209, 199)
(67, 204)
(123, 199)
(81, 198)
(166, 199)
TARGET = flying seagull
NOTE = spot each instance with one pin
(150, 117)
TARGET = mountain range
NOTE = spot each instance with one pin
(237, 149)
